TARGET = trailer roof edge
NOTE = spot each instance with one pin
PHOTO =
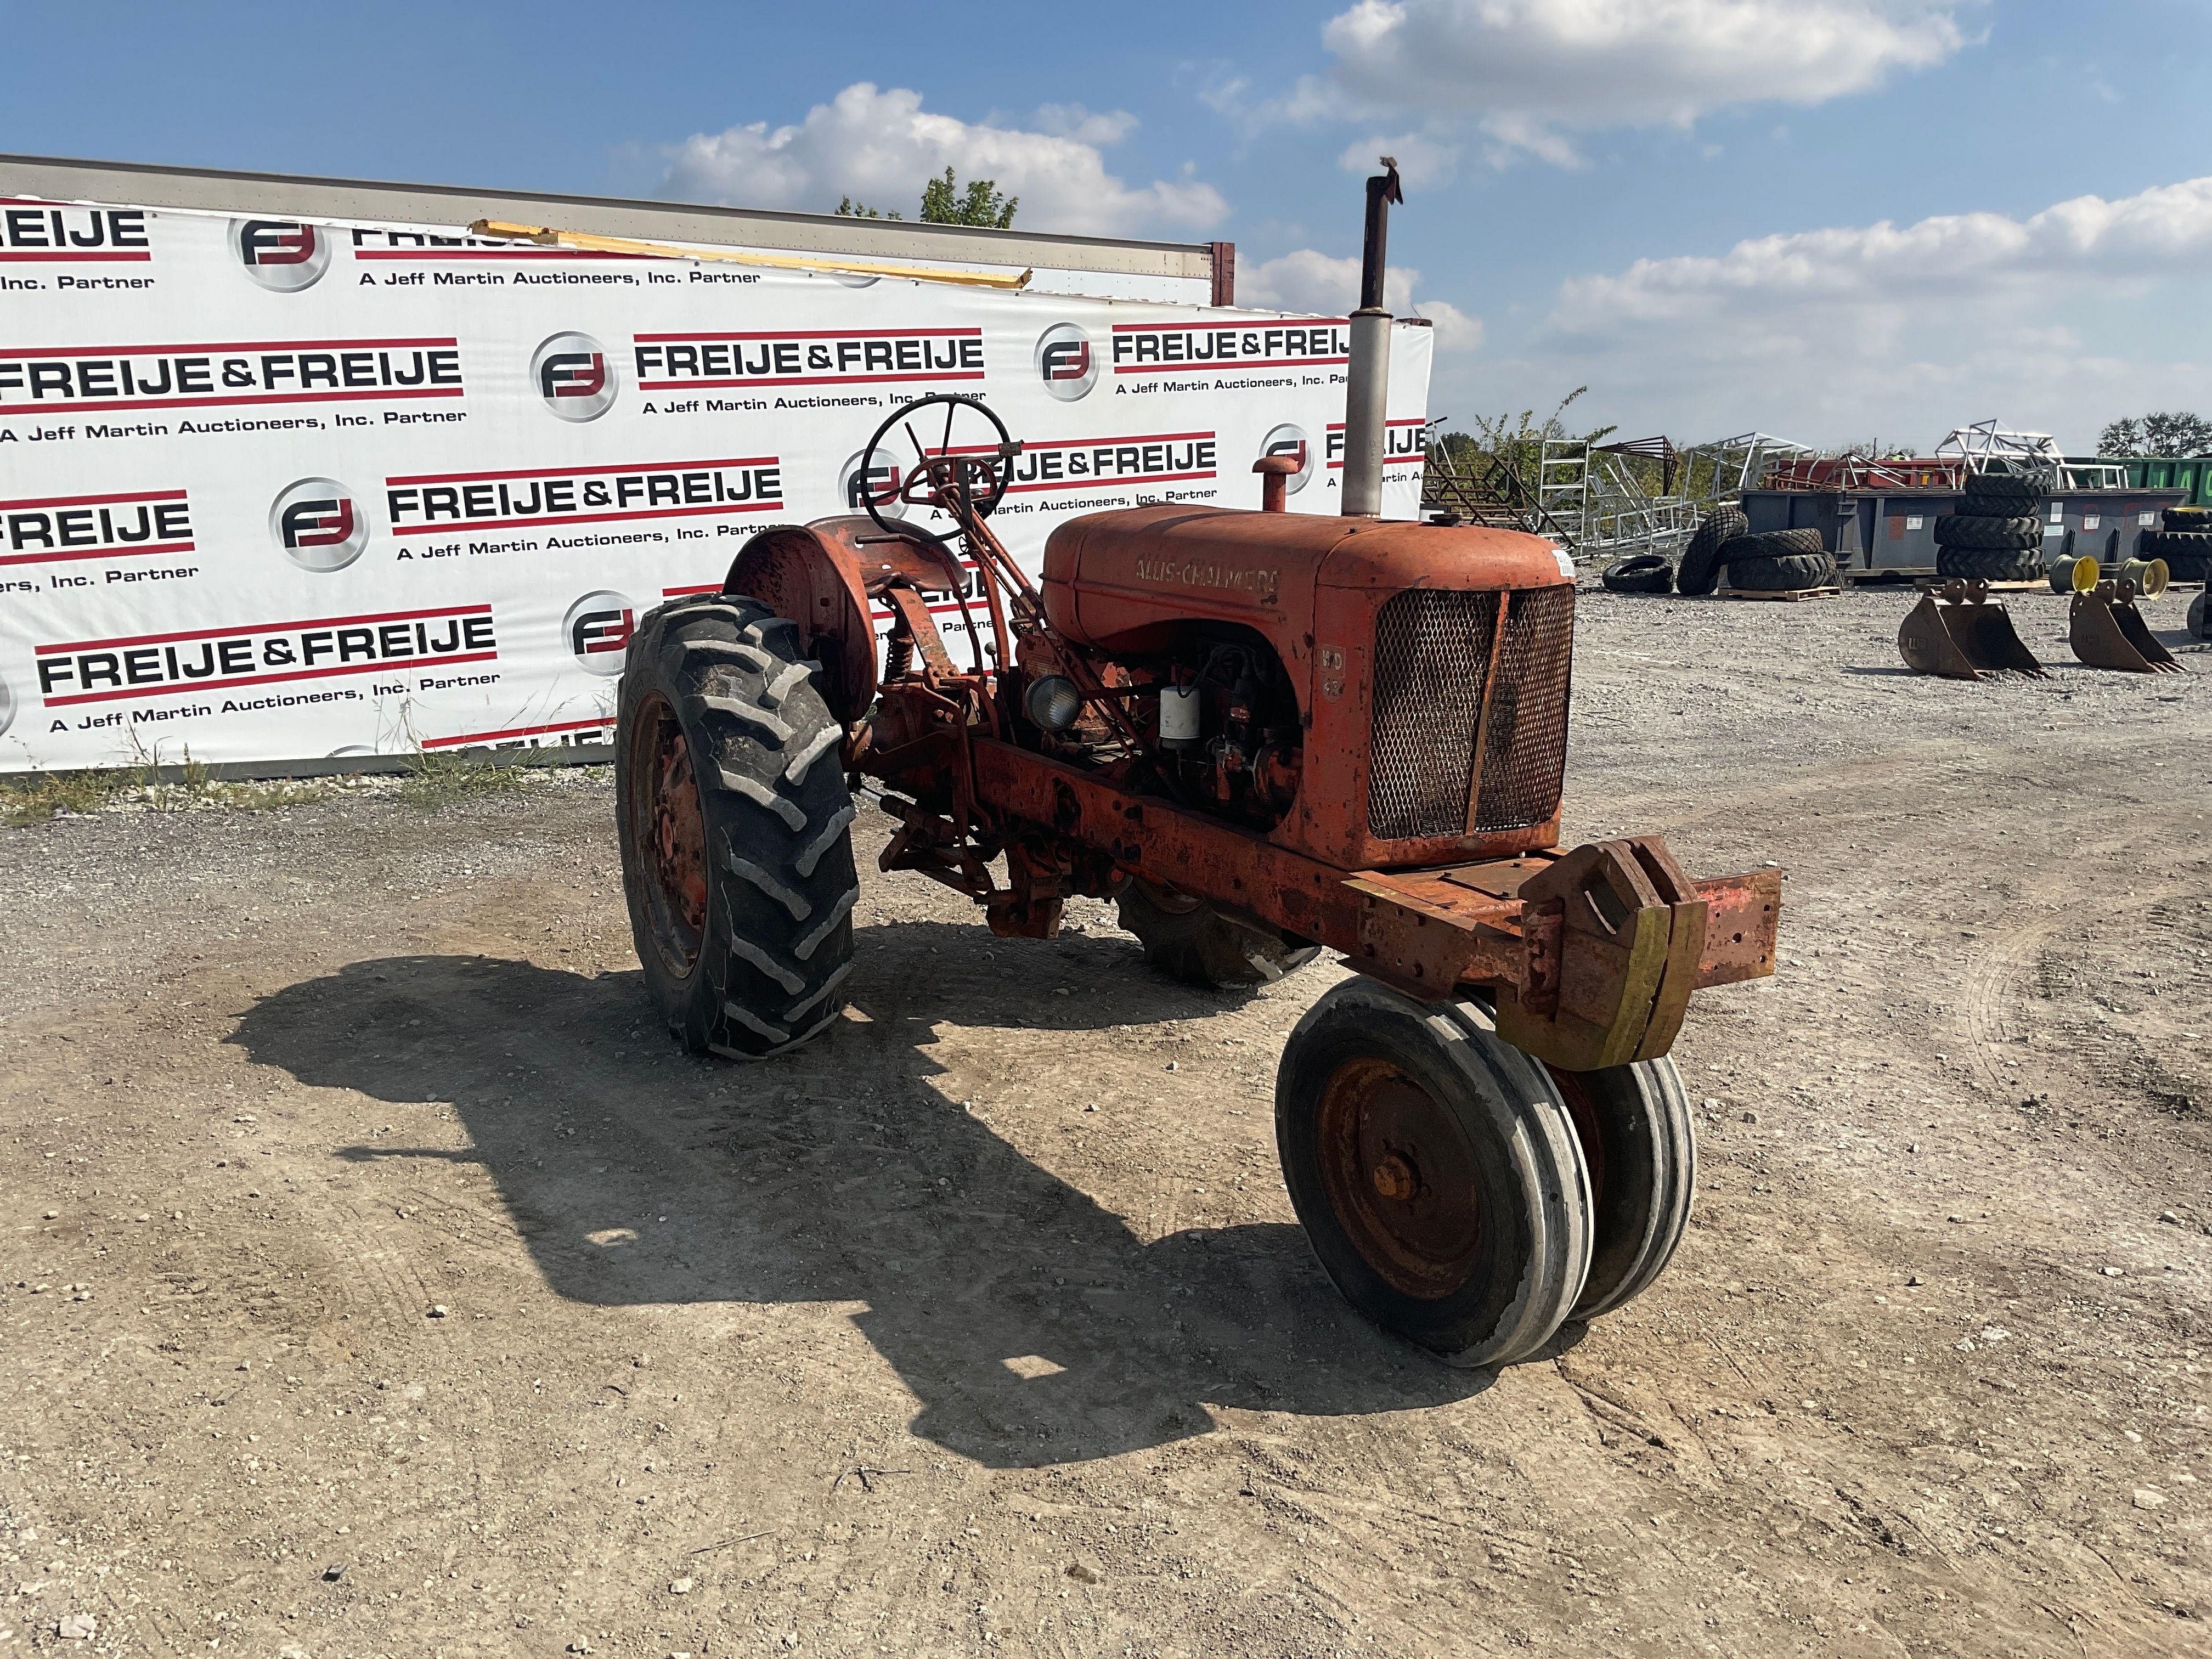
(219, 189)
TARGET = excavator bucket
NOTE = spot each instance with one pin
(2107, 631)
(1956, 633)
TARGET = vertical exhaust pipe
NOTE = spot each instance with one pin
(1367, 389)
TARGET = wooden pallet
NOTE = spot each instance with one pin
(1789, 596)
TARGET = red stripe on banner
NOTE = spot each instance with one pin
(823, 380)
(97, 407)
(826, 334)
(490, 254)
(270, 627)
(1028, 448)
(564, 471)
(398, 665)
(220, 345)
(679, 592)
(1253, 363)
(1256, 328)
(26, 257)
(600, 723)
(542, 523)
(94, 553)
(97, 500)
(1106, 483)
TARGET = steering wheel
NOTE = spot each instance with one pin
(977, 474)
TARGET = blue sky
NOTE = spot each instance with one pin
(1839, 220)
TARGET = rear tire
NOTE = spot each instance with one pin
(1187, 938)
(2001, 495)
(736, 828)
(1700, 571)
(1965, 529)
(1641, 1148)
(1990, 564)
(1792, 572)
(1437, 1173)
(1647, 573)
(2187, 553)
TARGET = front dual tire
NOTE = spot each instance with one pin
(1459, 1194)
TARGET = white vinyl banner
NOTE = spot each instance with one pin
(278, 491)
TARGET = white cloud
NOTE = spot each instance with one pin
(1528, 72)
(1310, 281)
(1423, 162)
(879, 146)
(1951, 257)
(1836, 334)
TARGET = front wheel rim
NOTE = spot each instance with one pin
(1403, 1178)
(669, 829)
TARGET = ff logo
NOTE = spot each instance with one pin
(573, 376)
(282, 255)
(884, 482)
(598, 627)
(1290, 440)
(317, 526)
(1066, 362)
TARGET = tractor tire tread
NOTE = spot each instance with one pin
(1790, 572)
(1700, 571)
(1987, 564)
(776, 941)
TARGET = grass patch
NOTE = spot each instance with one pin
(433, 779)
(36, 796)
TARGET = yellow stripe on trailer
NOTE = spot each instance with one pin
(546, 236)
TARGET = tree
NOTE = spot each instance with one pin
(2168, 432)
(943, 203)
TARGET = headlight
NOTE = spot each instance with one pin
(1053, 703)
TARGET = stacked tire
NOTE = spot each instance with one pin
(1776, 562)
(1996, 534)
(1700, 569)
(2184, 542)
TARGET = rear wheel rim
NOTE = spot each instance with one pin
(1402, 1177)
(670, 832)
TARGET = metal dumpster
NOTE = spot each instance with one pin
(1891, 531)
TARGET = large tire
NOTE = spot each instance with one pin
(736, 828)
(1772, 544)
(1201, 943)
(1700, 571)
(1641, 1149)
(1436, 1172)
(1792, 572)
(1959, 530)
(1984, 564)
(2001, 495)
(1647, 573)
(2187, 553)
(2200, 616)
(2187, 518)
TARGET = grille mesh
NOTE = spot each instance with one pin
(1525, 760)
(1432, 658)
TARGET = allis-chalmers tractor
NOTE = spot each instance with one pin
(1265, 734)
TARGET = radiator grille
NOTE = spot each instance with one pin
(1524, 763)
(1431, 658)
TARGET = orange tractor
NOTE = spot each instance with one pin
(1265, 734)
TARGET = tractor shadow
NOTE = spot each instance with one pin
(1033, 1324)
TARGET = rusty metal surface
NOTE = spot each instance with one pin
(1435, 933)
(816, 581)
(2107, 631)
(1401, 1177)
(1956, 633)
(1432, 660)
(1524, 728)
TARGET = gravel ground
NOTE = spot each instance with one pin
(385, 1285)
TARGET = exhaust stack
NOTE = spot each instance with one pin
(1367, 389)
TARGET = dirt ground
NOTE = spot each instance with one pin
(382, 1283)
